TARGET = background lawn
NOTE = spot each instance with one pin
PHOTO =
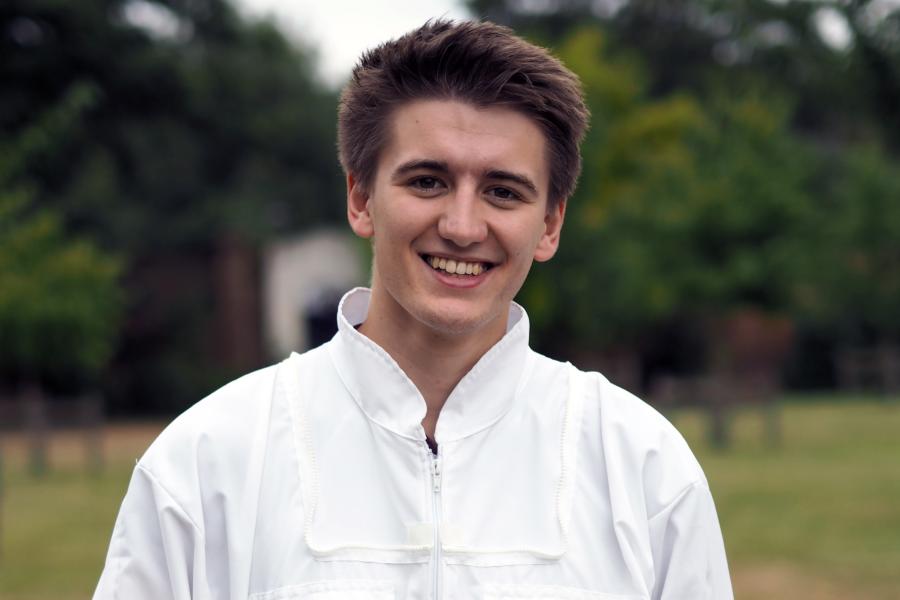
(817, 517)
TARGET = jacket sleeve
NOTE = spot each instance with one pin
(688, 551)
(157, 550)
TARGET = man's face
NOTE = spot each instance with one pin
(457, 211)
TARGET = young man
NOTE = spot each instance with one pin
(426, 451)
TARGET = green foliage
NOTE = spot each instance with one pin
(216, 128)
(59, 297)
(202, 126)
(851, 265)
(685, 211)
(701, 44)
(703, 190)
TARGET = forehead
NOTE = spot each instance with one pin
(466, 137)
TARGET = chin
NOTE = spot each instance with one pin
(448, 321)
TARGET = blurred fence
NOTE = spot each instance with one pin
(870, 369)
(37, 415)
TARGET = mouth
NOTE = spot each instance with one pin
(458, 268)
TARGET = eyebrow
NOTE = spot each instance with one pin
(423, 164)
(513, 177)
(442, 167)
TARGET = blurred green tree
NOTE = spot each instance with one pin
(204, 122)
(60, 299)
(208, 131)
(847, 52)
(742, 154)
(685, 212)
(849, 282)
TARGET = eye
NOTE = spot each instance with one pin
(426, 184)
(503, 195)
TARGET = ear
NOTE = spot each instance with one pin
(358, 209)
(549, 242)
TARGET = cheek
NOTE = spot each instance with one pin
(394, 232)
(523, 241)
(405, 222)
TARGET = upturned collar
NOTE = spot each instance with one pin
(388, 396)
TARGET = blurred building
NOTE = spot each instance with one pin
(304, 278)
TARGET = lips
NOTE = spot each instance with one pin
(457, 267)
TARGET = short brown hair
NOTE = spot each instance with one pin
(477, 62)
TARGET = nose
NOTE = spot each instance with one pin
(461, 221)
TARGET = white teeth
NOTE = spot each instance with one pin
(456, 267)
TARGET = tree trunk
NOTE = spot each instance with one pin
(37, 425)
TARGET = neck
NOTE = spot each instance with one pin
(435, 361)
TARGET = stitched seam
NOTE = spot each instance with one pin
(542, 592)
(523, 381)
(120, 568)
(364, 585)
(369, 346)
(568, 448)
(566, 478)
(510, 337)
(360, 405)
(306, 458)
(302, 446)
(684, 492)
(170, 496)
(262, 469)
(355, 337)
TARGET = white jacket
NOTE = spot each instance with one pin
(312, 479)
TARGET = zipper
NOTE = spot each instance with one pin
(436, 512)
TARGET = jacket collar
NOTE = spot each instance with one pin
(387, 396)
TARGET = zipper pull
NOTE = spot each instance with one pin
(436, 474)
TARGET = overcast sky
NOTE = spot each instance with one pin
(340, 30)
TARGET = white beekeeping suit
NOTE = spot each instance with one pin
(313, 479)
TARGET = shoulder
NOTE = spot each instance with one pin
(636, 445)
(222, 416)
(619, 409)
(213, 446)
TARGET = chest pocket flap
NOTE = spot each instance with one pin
(500, 591)
(332, 590)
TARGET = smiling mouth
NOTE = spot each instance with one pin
(456, 267)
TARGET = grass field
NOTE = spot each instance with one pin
(816, 518)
